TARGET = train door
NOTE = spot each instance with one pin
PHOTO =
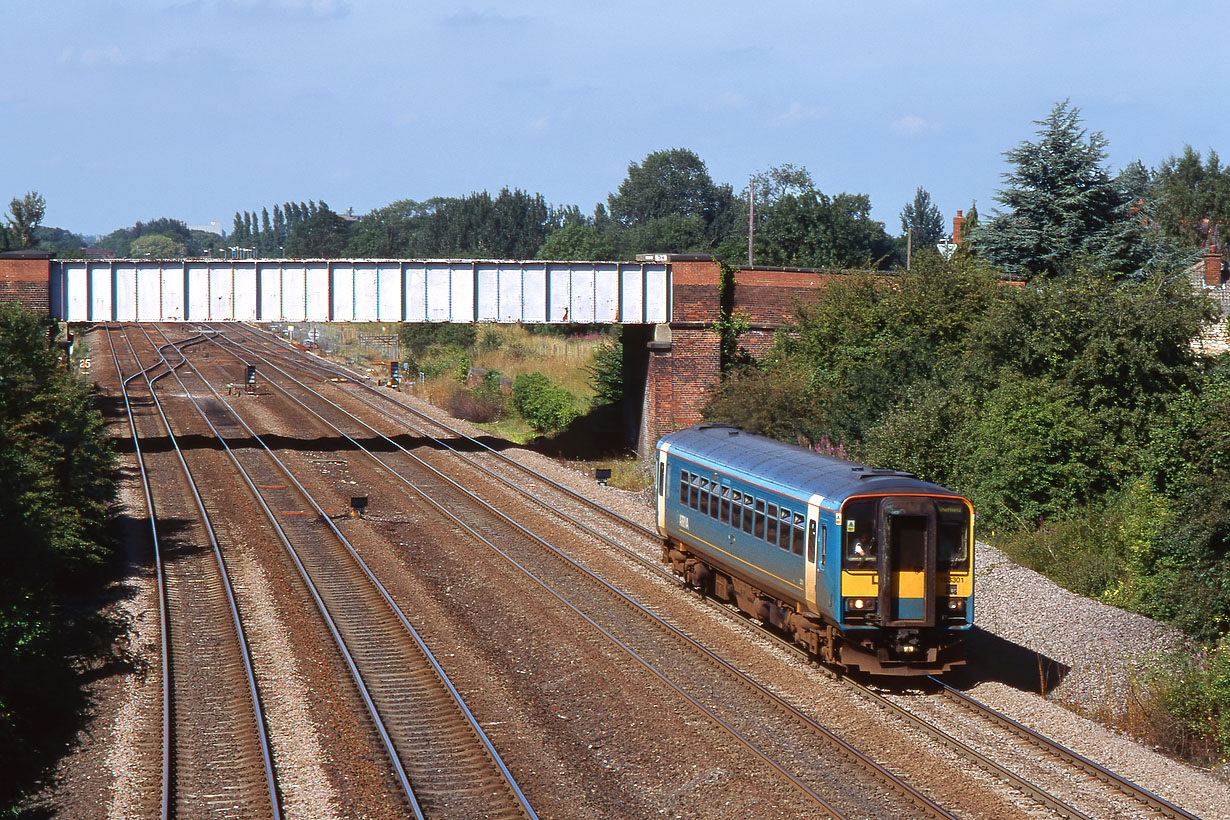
(907, 561)
(662, 480)
(812, 553)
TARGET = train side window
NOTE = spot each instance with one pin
(771, 525)
(824, 543)
(693, 490)
(713, 499)
(736, 509)
(784, 529)
(703, 506)
(662, 479)
(811, 542)
(683, 487)
(798, 535)
(758, 529)
(747, 513)
(724, 517)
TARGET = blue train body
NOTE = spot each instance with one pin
(868, 569)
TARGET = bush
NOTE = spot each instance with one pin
(606, 374)
(449, 361)
(1187, 704)
(474, 406)
(490, 340)
(417, 337)
(1103, 550)
(544, 405)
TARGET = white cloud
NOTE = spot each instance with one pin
(911, 125)
(95, 56)
(797, 112)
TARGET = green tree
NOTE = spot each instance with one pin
(323, 235)
(157, 246)
(577, 242)
(56, 489)
(921, 221)
(815, 230)
(672, 184)
(25, 215)
(606, 373)
(1189, 198)
(1061, 203)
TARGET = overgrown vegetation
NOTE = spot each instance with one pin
(56, 488)
(1070, 407)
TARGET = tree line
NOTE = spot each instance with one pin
(668, 202)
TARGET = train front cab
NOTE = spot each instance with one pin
(906, 583)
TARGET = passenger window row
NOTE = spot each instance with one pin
(757, 517)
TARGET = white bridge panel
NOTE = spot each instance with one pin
(366, 294)
(385, 290)
(316, 292)
(582, 306)
(487, 285)
(341, 308)
(510, 293)
(269, 290)
(172, 302)
(388, 296)
(294, 293)
(243, 293)
(125, 293)
(102, 294)
(221, 293)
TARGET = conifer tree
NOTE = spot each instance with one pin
(1061, 202)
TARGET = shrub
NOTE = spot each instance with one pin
(445, 360)
(544, 405)
(474, 406)
(417, 337)
(1187, 704)
(606, 374)
(490, 340)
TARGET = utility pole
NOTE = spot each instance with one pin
(751, 220)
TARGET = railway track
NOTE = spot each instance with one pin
(1085, 775)
(443, 760)
(838, 781)
(216, 756)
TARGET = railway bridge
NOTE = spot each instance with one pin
(667, 303)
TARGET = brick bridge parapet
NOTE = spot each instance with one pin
(25, 280)
(685, 356)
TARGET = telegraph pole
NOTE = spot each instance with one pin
(751, 220)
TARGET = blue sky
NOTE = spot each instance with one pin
(194, 109)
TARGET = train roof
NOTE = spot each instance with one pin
(802, 471)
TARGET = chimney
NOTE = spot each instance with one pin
(1212, 267)
(957, 222)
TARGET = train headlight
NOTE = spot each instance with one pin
(860, 606)
(956, 606)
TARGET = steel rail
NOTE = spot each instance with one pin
(888, 778)
(244, 651)
(536, 499)
(393, 607)
(1073, 758)
(163, 612)
(628, 522)
(1069, 756)
(1055, 804)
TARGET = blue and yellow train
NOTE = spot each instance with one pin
(866, 568)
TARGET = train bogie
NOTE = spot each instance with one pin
(868, 569)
